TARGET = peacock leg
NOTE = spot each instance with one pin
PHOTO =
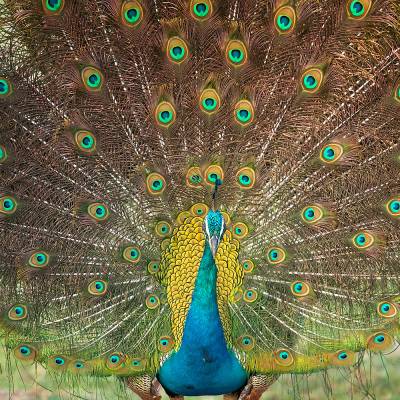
(146, 387)
(256, 386)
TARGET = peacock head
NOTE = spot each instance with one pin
(214, 228)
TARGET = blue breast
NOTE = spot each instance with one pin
(203, 364)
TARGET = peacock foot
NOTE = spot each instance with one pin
(256, 386)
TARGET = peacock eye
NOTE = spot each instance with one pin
(393, 207)
(363, 240)
(39, 259)
(177, 50)
(246, 177)
(248, 266)
(331, 153)
(53, 7)
(240, 230)
(311, 214)
(194, 177)
(98, 288)
(85, 141)
(214, 174)
(311, 80)
(18, 312)
(98, 211)
(379, 342)
(5, 87)
(300, 289)
(246, 342)
(201, 10)
(284, 358)
(163, 229)
(165, 344)
(79, 365)
(153, 267)
(152, 301)
(155, 183)
(244, 112)
(115, 361)
(236, 53)
(131, 254)
(25, 352)
(250, 295)
(276, 255)
(342, 355)
(387, 309)
(210, 101)
(8, 205)
(285, 19)
(199, 209)
(165, 114)
(132, 13)
(92, 79)
(358, 9)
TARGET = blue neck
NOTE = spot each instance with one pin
(203, 365)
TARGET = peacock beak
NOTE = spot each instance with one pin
(214, 243)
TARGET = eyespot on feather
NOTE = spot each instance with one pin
(163, 229)
(53, 7)
(244, 113)
(246, 178)
(240, 230)
(250, 295)
(276, 255)
(85, 141)
(380, 341)
(283, 358)
(3, 154)
(312, 214)
(8, 205)
(285, 20)
(343, 358)
(236, 53)
(6, 88)
(58, 362)
(363, 240)
(39, 259)
(248, 266)
(131, 13)
(194, 177)
(331, 153)
(387, 309)
(393, 207)
(246, 342)
(358, 9)
(165, 344)
(300, 289)
(213, 174)
(25, 352)
(177, 50)
(199, 209)
(98, 212)
(153, 267)
(311, 80)
(155, 184)
(115, 361)
(131, 254)
(18, 312)
(152, 301)
(98, 287)
(165, 114)
(210, 102)
(201, 10)
(92, 79)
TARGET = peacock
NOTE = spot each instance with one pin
(199, 195)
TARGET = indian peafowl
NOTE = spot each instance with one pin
(199, 195)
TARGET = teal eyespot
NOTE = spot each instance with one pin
(177, 50)
(276, 255)
(236, 53)
(285, 19)
(209, 104)
(114, 359)
(165, 344)
(284, 22)
(312, 214)
(163, 229)
(240, 230)
(387, 309)
(363, 240)
(3, 154)
(98, 211)
(5, 87)
(250, 295)
(243, 115)
(39, 259)
(310, 82)
(131, 13)
(54, 5)
(244, 112)
(92, 79)
(201, 9)
(379, 339)
(356, 8)
(18, 312)
(329, 153)
(284, 358)
(342, 356)
(8, 205)
(300, 289)
(246, 342)
(152, 301)
(79, 365)
(97, 288)
(85, 141)
(25, 351)
(214, 175)
(131, 254)
(155, 183)
(136, 363)
(393, 207)
(195, 179)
